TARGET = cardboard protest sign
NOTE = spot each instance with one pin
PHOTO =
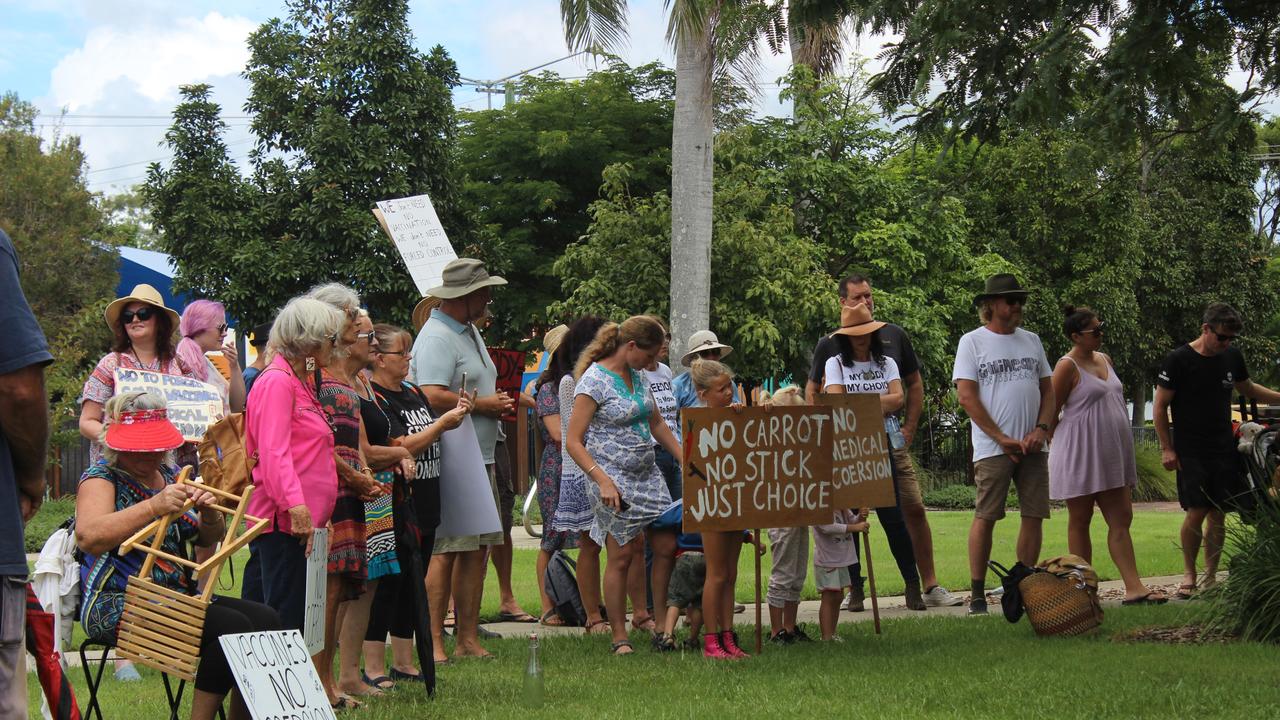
(861, 473)
(464, 486)
(316, 593)
(761, 467)
(192, 405)
(276, 676)
(412, 224)
(510, 364)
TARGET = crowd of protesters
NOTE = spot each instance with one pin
(347, 417)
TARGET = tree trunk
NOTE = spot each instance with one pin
(691, 191)
(1139, 400)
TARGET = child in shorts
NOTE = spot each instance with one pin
(684, 592)
(834, 550)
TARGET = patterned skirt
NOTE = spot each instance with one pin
(573, 512)
(346, 541)
(549, 501)
(381, 533)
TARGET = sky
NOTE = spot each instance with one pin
(115, 66)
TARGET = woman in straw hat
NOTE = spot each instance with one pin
(143, 328)
(118, 497)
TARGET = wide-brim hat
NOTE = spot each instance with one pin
(423, 309)
(464, 276)
(553, 337)
(144, 294)
(1000, 285)
(857, 320)
(702, 341)
(143, 431)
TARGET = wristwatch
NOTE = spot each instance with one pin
(1042, 426)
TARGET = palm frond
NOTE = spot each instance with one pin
(594, 25)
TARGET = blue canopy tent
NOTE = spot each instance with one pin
(153, 268)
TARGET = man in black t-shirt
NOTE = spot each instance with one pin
(854, 290)
(1196, 381)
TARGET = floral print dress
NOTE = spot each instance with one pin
(549, 473)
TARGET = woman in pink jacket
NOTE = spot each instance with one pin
(296, 478)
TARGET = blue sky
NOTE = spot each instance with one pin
(116, 65)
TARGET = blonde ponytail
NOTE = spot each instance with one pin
(645, 331)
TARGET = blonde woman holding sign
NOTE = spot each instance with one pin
(612, 433)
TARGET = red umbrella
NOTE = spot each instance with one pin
(41, 645)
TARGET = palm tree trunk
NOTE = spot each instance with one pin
(691, 190)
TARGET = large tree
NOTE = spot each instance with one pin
(346, 112)
(533, 167)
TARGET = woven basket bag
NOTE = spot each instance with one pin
(1058, 606)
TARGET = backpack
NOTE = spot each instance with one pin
(562, 588)
(224, 464)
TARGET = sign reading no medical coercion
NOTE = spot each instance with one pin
(276, 676)
(192, 405)
(760, 467)
(861, 473)
(415, 228)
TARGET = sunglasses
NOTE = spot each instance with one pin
(367, 337)
(1226, 338)
(1096, 332)
(1016, 299)
(222, 328)
(142, 314)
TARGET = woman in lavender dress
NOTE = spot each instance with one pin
(1091, 459)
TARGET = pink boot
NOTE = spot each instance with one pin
(730, 645)
(711, 648)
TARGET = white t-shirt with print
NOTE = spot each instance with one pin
(867, 377)
(1008, 370)
(659, 381)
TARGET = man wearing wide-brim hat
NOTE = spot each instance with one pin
(448, 349)
(1003, 381)
(703, 345)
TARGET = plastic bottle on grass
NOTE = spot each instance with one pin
(533, 688)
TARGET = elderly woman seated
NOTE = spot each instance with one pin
(134, 485)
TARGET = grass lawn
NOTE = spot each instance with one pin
(946, 667)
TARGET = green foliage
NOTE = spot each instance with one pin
(1248, 602)
(533, 167)
(48, 211)
(1155, 484)
(47, 519)
(346, 112)
(962, 497)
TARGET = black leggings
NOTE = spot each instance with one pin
(393, 607)
(895, 530)
(227, 616)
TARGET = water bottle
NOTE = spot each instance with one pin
(897, 440)
(533, 690)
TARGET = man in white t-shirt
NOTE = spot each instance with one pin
(1003, 382)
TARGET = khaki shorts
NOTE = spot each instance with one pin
(908, 486)
(469, 543)
(1030, 476)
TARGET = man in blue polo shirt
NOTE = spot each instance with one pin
(24, 435)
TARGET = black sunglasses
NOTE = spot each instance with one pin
(1226, 338)
(367, 337)
(1016, 299)
(222, 328)
(143, 314)
(1096, 331)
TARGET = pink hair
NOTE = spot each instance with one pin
(199, 316)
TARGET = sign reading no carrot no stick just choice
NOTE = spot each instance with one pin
(861, 473)
(761, 467)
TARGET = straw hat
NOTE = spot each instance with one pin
(999, 285)
(143, 431)
(141, 293)
(422, 311)
(856, 320)
(702, 341)
(464, 276)
(552, 338)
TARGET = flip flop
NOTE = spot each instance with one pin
(378, 681)
(646, 623)
(449, 619)
(346, 702)
(615, 647)
(602, 624)
(1185, 592)
(1151, 598)
(401, 675)
(552, 619)
(520, 617)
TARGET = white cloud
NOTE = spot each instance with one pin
(153, 59)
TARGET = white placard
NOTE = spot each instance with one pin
(415, 228)
(192, 405)
(466, 497)
(317, 577)
(276, 676)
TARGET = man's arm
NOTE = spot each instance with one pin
(24, 415)
(914, 386)
(1253, 391)
(967, 394)
(1160, 416)
(1034, 440)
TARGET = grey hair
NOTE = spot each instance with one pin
(985, 310)
(303, 325)
(123, 403)
(337, 295)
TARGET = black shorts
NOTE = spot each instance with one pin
(1211, 480)
(506, 491)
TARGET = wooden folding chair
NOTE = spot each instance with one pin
(160, 627)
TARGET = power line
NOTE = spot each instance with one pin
(159, 159)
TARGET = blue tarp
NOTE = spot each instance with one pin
(153, 268)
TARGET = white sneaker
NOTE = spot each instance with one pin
(939, 597)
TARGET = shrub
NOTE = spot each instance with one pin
(46, 520)
(1247, 603)
(962, 497)
(1155, 484)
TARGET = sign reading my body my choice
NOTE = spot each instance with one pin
(761, 467)
(861, 473)
(192, 405)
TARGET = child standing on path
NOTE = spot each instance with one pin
(834, 550)
(790, 557)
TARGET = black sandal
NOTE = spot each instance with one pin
(615, 647)
(663, 642)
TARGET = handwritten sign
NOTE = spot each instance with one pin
(316, 592)
(276, 676)
(510, 364)
(762, 467)
(412, 224)
(192, 405)
(861, 473)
